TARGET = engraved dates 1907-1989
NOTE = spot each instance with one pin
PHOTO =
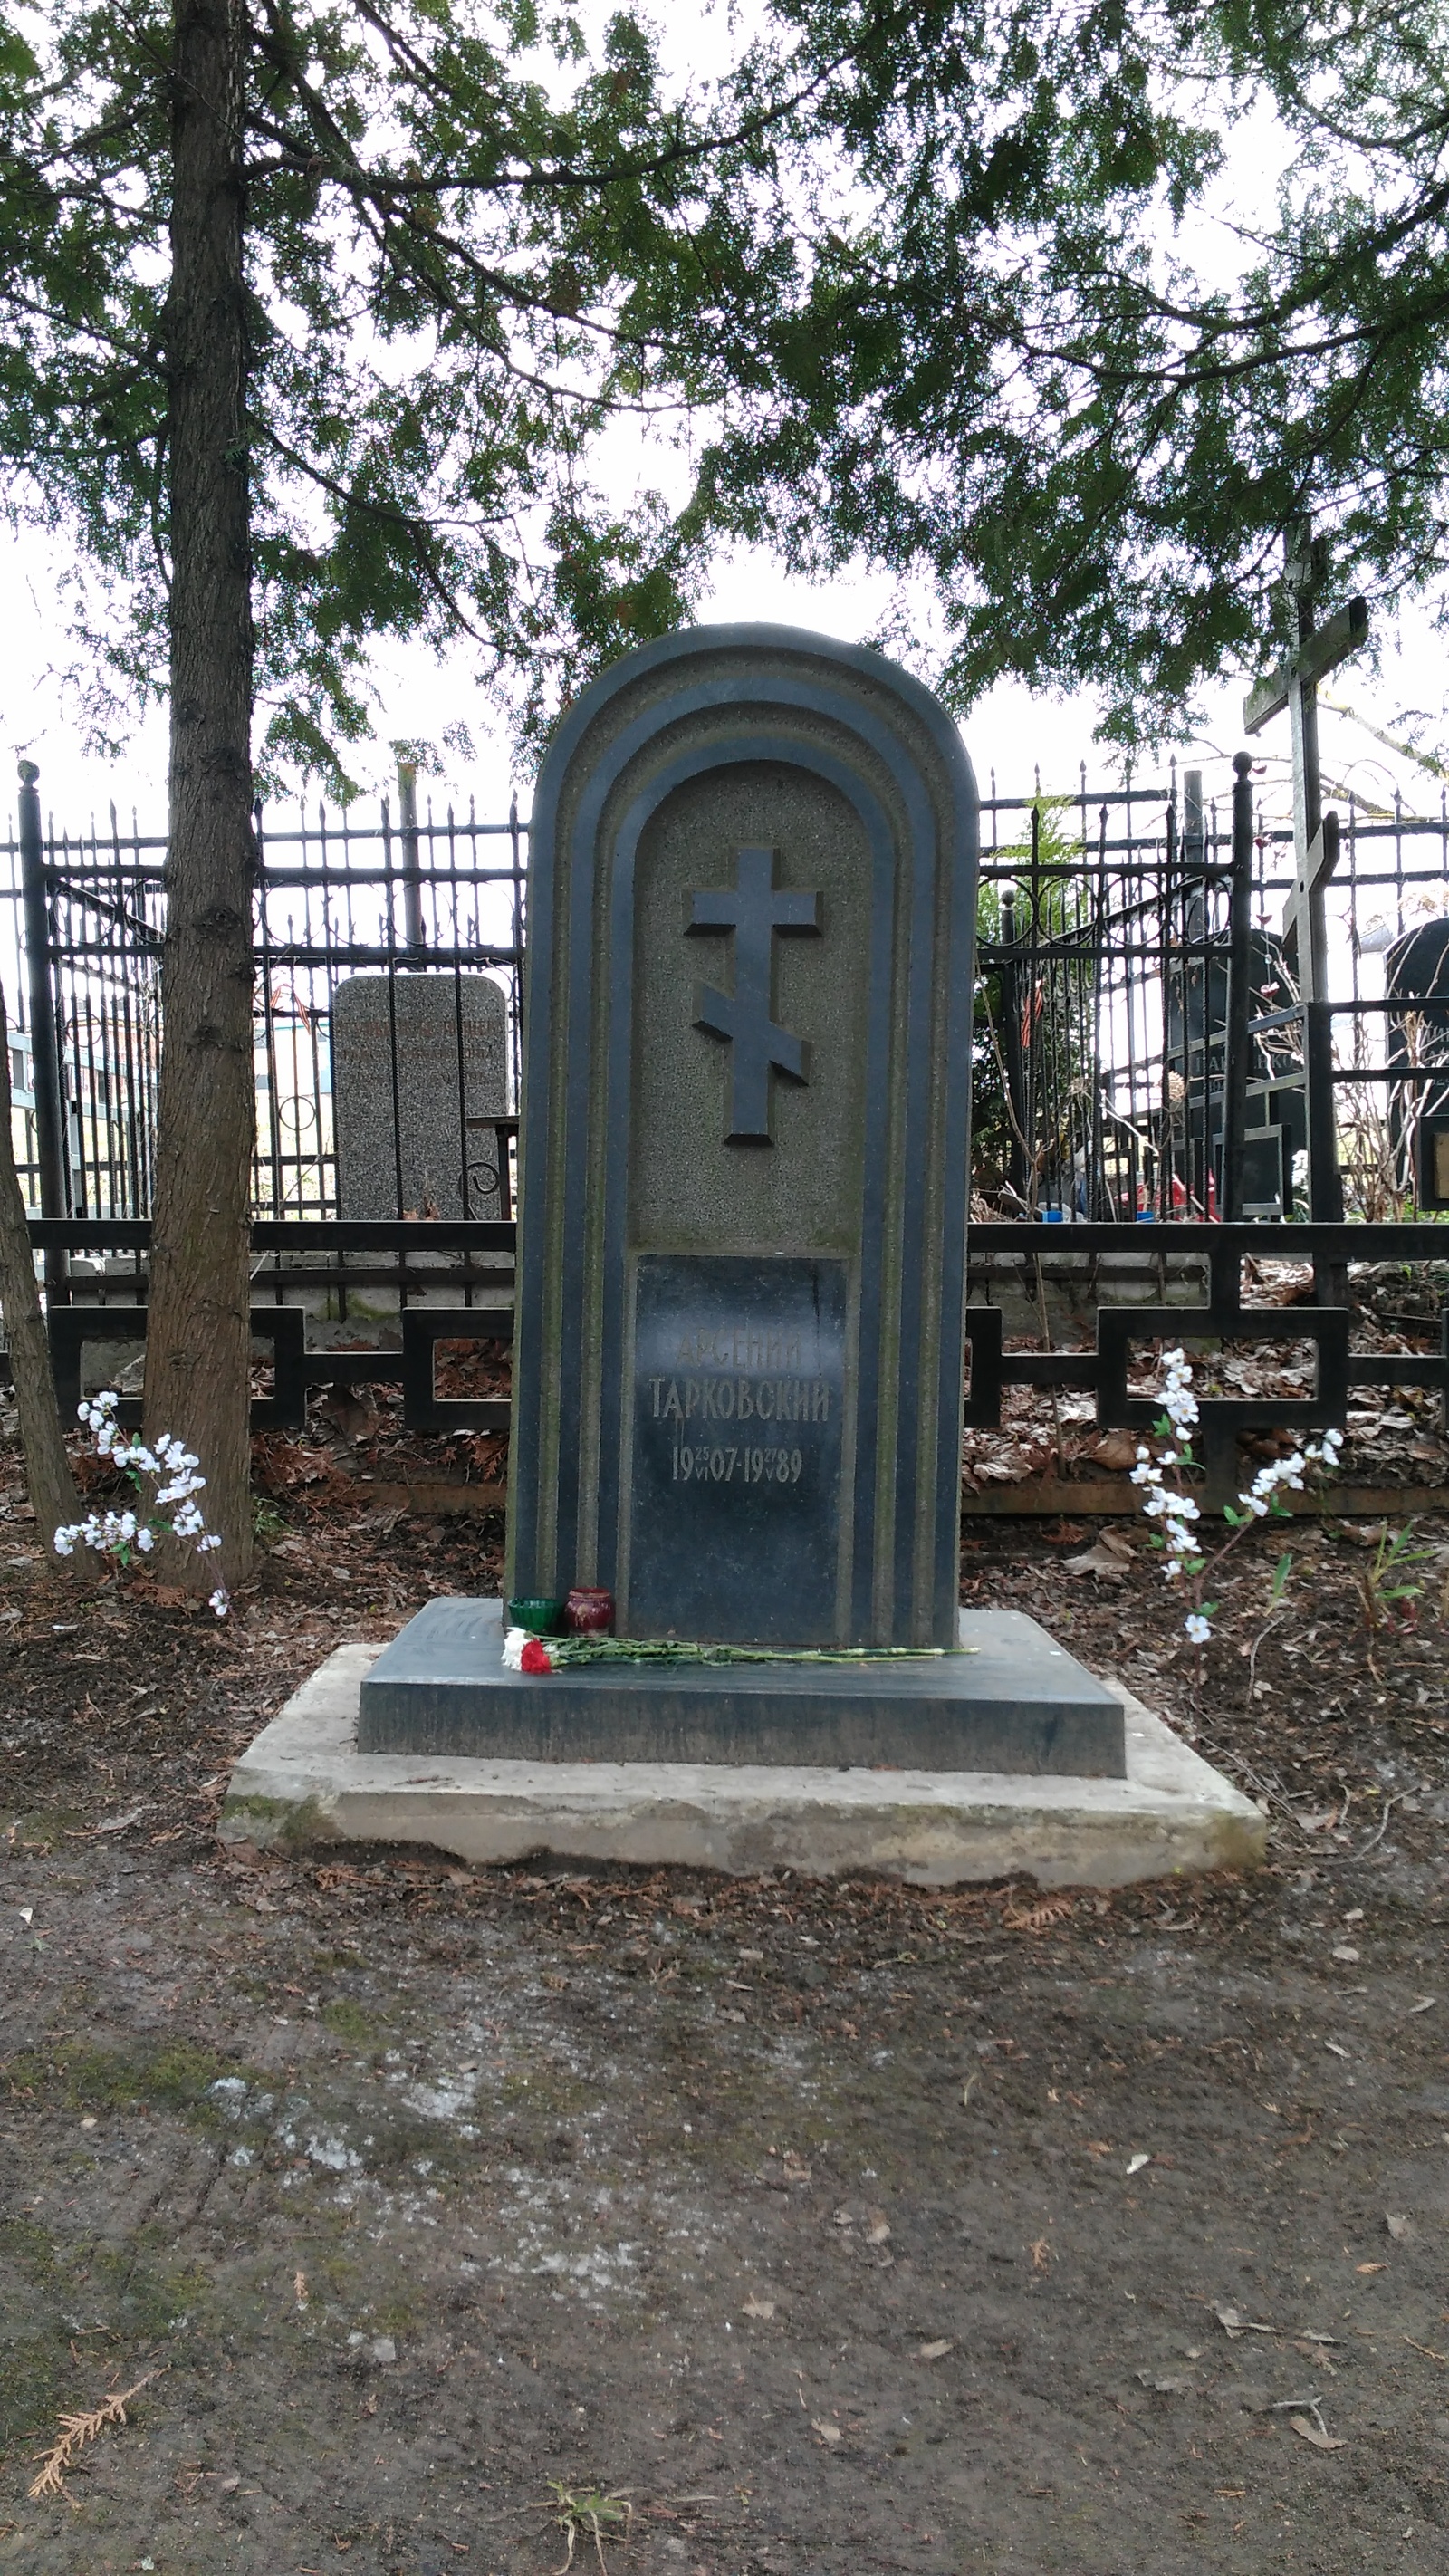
(755, 1466)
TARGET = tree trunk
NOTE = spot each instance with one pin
(47, 1469)
(198, 1339)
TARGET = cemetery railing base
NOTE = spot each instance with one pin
(470, 1266)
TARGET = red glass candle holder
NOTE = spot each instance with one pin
(588, 1611)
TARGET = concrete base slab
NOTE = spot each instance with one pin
(304, 1783)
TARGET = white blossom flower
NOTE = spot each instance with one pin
(114, 1533)
(1198, 1628)
(220, 1601)
(513, 1645)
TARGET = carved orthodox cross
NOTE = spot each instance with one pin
(754, 909)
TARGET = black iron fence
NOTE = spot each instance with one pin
(1143, 1054)
(1131, 1063)
(388, 954)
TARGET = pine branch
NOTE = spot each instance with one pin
(76, 2432)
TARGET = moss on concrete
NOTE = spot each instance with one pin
(275, 1824)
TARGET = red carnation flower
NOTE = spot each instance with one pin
(534, 1658)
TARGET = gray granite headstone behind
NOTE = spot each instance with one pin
(738, 1373)
(450, 1036)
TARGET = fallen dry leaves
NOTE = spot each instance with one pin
(1315, 2434)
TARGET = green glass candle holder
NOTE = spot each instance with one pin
(541, 1618)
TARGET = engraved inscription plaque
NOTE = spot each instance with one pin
(737, 1420)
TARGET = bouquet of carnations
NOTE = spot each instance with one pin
(523, 1652)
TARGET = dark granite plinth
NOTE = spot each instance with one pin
(1017, 1704)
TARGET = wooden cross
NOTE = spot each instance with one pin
(1294, 687)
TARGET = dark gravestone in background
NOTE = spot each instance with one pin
(1416, 973)
(739, 1403)
(752, 893)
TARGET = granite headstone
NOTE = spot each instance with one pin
(741, 1261)
(403, 1146)
(744, 1155)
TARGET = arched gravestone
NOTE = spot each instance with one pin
(744, 1171)
(739, 1333)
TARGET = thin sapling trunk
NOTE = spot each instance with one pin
(47, 1468)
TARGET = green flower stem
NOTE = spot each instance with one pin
(670, 1650)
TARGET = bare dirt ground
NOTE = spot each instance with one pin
(830, 2228)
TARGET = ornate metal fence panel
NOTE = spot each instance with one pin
(1102, 1054)
(1125, 935)
(427, 910)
